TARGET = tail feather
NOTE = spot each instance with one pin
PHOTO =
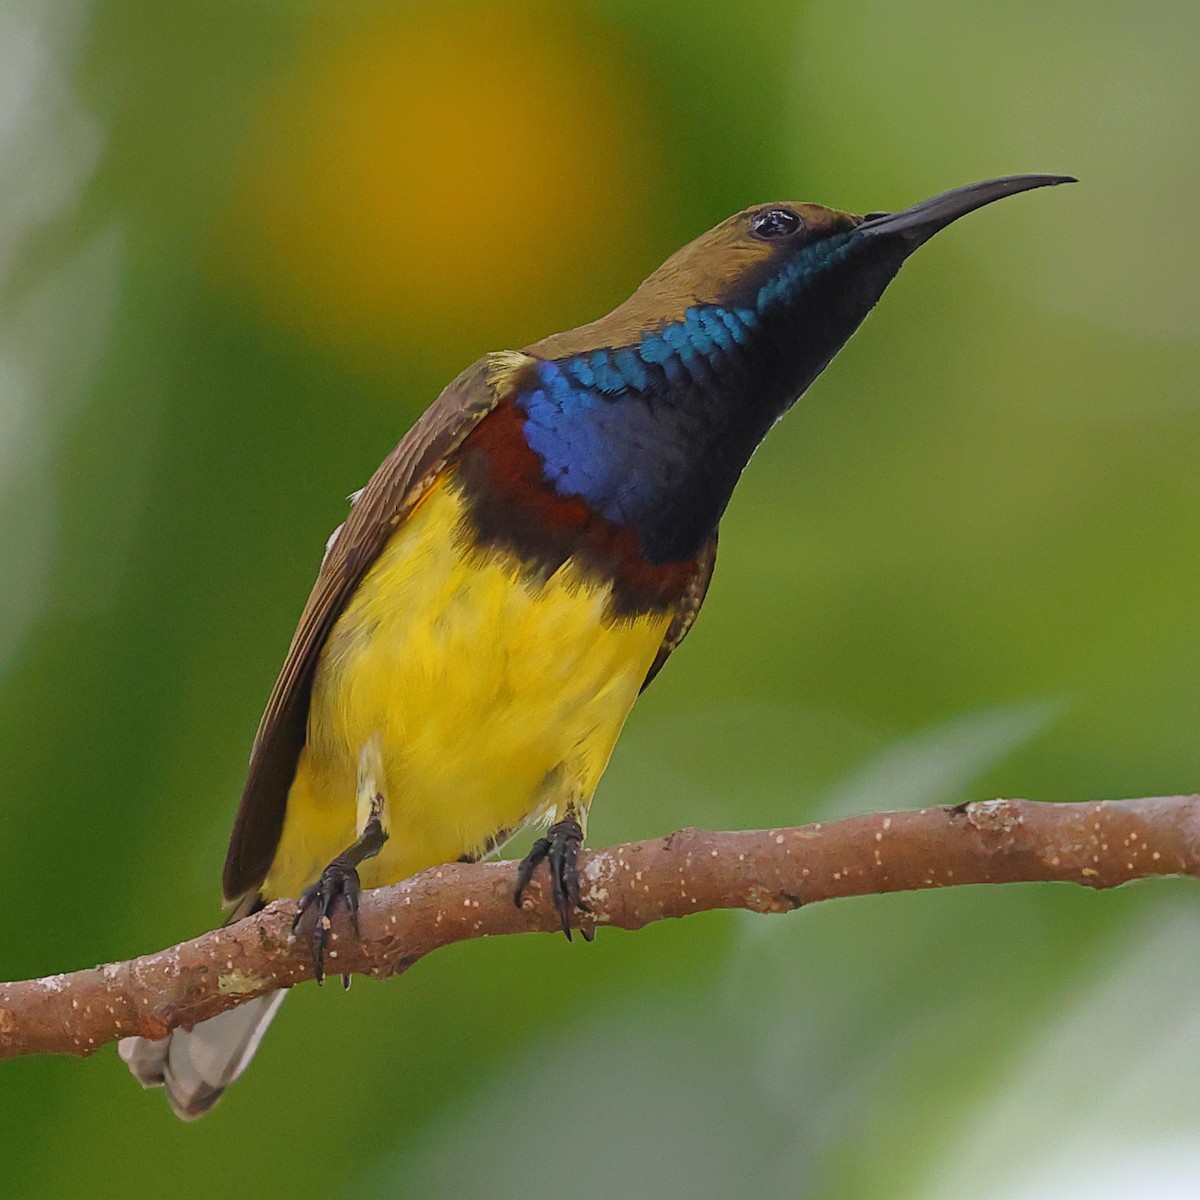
(196, 1065)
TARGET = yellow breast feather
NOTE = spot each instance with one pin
(483, 697)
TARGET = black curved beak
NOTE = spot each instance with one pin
(923, 220)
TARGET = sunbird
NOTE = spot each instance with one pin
(518, 570)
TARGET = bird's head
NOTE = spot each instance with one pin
(773, 259)
(799, 276)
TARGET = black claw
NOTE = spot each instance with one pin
(560, 848)
(530, 863)
(339, 879)
(350, 895)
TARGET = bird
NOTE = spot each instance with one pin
(517, 571)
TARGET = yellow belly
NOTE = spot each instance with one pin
(483, 699)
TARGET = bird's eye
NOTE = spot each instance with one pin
(774, 223)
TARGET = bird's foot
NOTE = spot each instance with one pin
(339, 880)
(560, 850)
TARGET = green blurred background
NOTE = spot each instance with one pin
(243, 243)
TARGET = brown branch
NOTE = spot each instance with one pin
(1099, 845)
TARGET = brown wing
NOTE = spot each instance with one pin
(387, 499)
(689, 606)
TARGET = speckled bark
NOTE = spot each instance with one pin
(1099, 845)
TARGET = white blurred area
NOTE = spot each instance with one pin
(1104, 1102)
(57, 290)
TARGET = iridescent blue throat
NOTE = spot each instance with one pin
(655, 435)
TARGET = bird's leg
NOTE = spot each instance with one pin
(560, 850)
(339, 879)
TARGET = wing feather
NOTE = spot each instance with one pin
(388, 497)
